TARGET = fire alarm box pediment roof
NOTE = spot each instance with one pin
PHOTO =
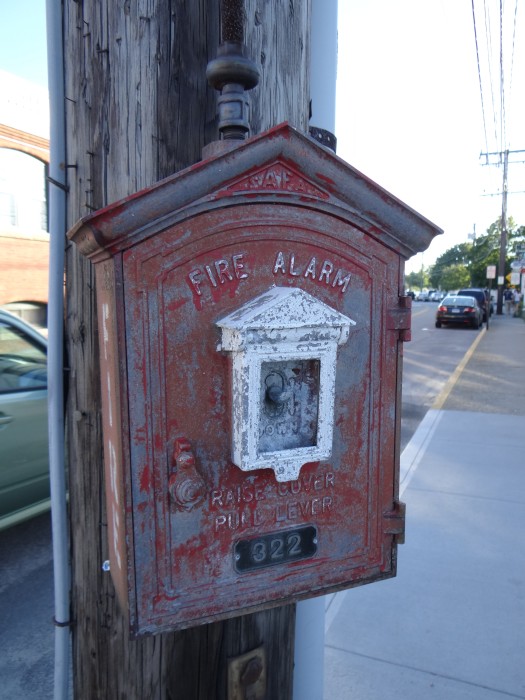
(281, 165)
(285, 308)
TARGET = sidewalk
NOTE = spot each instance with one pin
(451, 625)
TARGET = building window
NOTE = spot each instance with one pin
(23, 200)
(7, 206)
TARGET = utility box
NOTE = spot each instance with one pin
(251, 314)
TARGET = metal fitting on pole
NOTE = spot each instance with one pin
(233, 73)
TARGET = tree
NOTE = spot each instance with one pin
(137, 109)
(486, 249)
(454, 277)
(458, 255)
(417, 279)
(516, 240)
(476, 256)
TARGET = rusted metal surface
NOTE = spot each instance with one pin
(194, 537)
(247, 676)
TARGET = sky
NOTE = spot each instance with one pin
(409, 108)
(23, 39)
(409, 104)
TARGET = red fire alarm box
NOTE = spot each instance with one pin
(251, 313)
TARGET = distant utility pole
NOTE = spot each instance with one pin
(503, 237)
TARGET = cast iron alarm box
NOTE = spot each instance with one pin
(252, 313)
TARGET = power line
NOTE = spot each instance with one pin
(497, 45)
(500, 155)
(513, 44)
(498, 158)
(479, 76)
(498, 194)
(503, 141)
(513, 50)
(488, 36)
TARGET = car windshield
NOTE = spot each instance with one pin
(459, 301)
(22, 362)
(476, 293)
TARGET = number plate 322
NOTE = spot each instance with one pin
(275, 548)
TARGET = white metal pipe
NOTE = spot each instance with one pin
(310, 614)
(308, 679)
(323, 63)
(57, 230)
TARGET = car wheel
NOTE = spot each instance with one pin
(438, 324)
(475, 324)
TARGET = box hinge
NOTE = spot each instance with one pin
(399, 319)
(395, 522)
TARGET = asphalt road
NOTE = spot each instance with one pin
(26, 578)
(26, 611)
(428, 361)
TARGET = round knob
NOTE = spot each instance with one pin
(187, 492)
(185, 485)
(277, 394)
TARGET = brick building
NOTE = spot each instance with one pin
(24, 158)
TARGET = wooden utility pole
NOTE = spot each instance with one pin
(502, 156)
(503, 237)
(138, 109)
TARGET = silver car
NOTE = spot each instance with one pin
(24, 461)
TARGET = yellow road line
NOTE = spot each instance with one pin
(444, 393)
(418, 312)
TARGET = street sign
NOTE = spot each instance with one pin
(491, 272)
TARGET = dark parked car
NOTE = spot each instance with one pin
(24, 461)
(459, 310)
(482, 295)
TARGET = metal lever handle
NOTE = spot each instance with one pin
(186, 486)
(277, 395)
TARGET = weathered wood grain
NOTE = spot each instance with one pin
(138, 109)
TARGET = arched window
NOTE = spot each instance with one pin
(23, 200)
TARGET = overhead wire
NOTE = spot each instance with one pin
(513, 42)
(488, 39)
(479, 77)
(498, 71)
(510, 93)
(503, 134)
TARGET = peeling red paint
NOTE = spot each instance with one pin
(177, 304)
(325, 179)
(219, 235)
(145, 480)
